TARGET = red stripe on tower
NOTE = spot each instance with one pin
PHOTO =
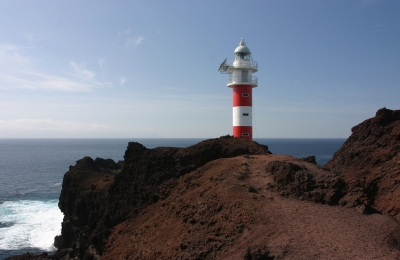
(242, 82)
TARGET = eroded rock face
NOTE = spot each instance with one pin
(83, 200)
(369, 162)
(258, 252)
(145, 169)
(307, 182)
(97, 195)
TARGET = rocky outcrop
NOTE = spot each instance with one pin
(97, 195)
(145, 169)
(83, 200)
(369, 162)
(30, 256)
(307, 182)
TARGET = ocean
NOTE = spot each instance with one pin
(31, 172)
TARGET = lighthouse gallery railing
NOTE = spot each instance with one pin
(243, 64)
(251, 79)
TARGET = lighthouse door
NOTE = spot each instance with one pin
(245, 76)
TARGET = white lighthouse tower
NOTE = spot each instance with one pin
(242, 82)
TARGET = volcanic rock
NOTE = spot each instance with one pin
(369, 162)
(307, 182)
(212, 214)
(30, 256)
(96, 195)
(84, 191)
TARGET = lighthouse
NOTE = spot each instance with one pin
(242, 82)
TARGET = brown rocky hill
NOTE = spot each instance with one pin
(369, 162)
(234, 209)
(95, 198)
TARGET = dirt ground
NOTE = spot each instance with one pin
(231, 209)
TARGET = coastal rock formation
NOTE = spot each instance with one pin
(307, 182)
(145, 169)
(83, 201)
(30, 256)
(369, 162)
(97, 195)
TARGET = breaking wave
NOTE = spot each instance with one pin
(29, 224)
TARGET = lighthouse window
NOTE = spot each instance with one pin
(242, 56)
(245, 95)
(245, 134)
(245, 114)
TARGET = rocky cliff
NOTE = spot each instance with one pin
(369, 162)
(97, 195)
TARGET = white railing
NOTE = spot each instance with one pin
(237, 80)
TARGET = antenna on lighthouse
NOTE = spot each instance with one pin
(223, 67)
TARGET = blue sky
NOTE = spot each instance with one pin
(132, 69)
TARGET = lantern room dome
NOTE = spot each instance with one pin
(242, 48)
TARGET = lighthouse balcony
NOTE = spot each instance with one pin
(244, 64)
(232, 80)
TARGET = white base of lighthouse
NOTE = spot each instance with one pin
(242, 121)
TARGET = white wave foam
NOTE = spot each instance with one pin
(36, 223)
